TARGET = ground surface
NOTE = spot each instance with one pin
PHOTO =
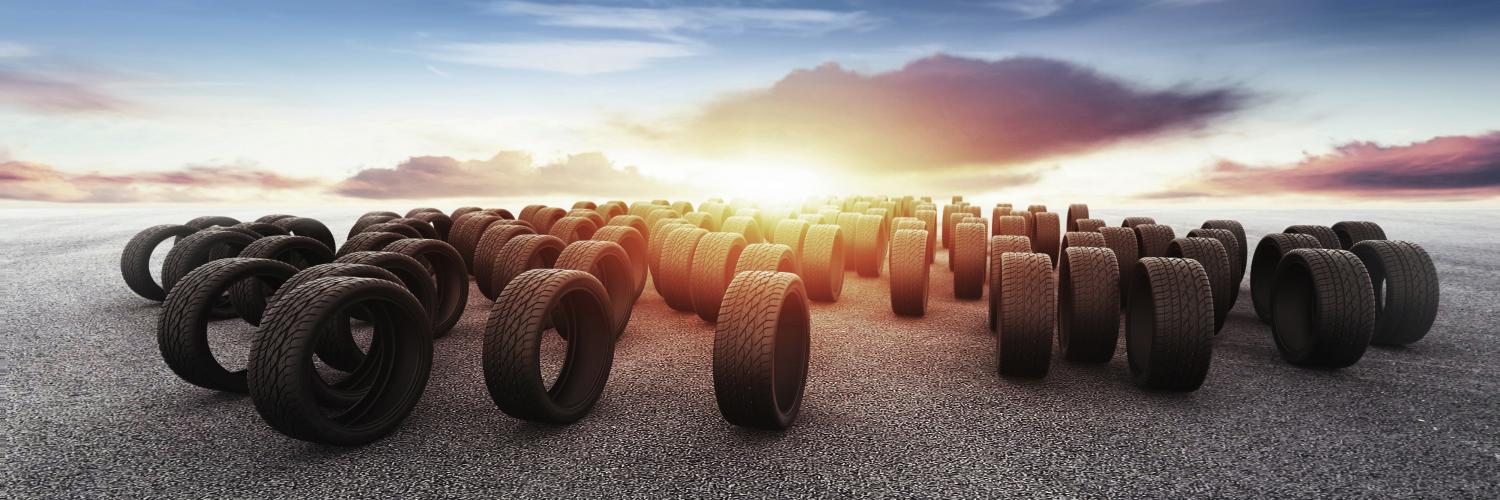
(894, 407)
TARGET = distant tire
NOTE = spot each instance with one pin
(1268, 255)
(1081, 239)
(367, 242)
(657, 215)
(1012, 225)
(301, 252)
(1036, 208)
(1122, 241)
(703, 220)
(545, 217)
(261, 228)
(1076, 211)
(1152, 239)
(460, 211)
(970, 260)
(761, 350)
(135, 261)
(1236, 256)
(1233, 226)
(578, 304)
(1169, 324)
(309, 227)
(869, 245)
(1132, 222)
(1088, 304)
(1214, 258)
(823, 262)
(849, 223)
(791, 232)
(635, 247)
(1028, 313)
(466, 235)
(909, 272)
(712, 269)
(1351, 233)
(284, 385)
(585, 204)
(948, 221)
(929, 218)
(677, 267)
(423, 228)
(999, 246)
(269, 218)
(419, 210)
(207, 221)
(520, 254)
(439, 221)
(747, 227)
(633, 222)
(182, 327)
(608, 262)
(337, 348)
(1405, 285)
(197, 249)
(451, 275)
(1325, 235)
(571, 229)
(367, 220)
(767, 257)
(488, 248)
(395, 228)
(1322, 308)
(654, 252)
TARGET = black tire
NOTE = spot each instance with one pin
(198, 249)
(386, 213)
(419, 210)
(1236, 258)
(1132, 222)
(261, 228)
(523, 253)
(309, 227)
(1088, 225)
(182, 327)
(301, 252)
(823, 262)
(424, 229)
(610, 264)
(368, 220)
(439, 222)
(488, 249)
(285, 384)
(1152, 239)
(579, 306)
(1028, 314)
(909, 272)
(635, 246)
(1325, 235)
(712, 269)
(1076, 211)
(392, 227)
(1233, 226)
(761, 350)
(571, 229)
(970, 257)
(1080, 240)
(869, 245)
(337, 348)
(466, 235)
(208, 221)
(1123, 242)
(368, 242)
(135, 261)
(451, 275)
(1322, 308)
(413, 275)
(1268, 255)
(1088, 304)
(1351, 233)
(677, 267)
(267, 219)
(1405, 274)
(1214, 258)
(545, 217)
(999, 246)
(1169, 324)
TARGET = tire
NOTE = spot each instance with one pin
(527, 212)
(489, 247)
(677, 267)
(928, 218)
(1127, 251)
(1046, 231)
(309, 227)
(761, 350)
(1132, 222)
(523, 253)
(452, 279)
(1169, 324)
(634, 222)
(412, 273)
(386, 213)
(135, 261)
(1231, 247)
(1076, 211)
(1012, 225)
(1325, 235)
(419, 210)
(704, 220)
(970, 257)
(713, 267)
(1351, 233)
(439, 222)
(571, 229)
(957, 218)
(367, 242)
(396, 228)
(466, 235)
(592, 215)
(999, 246)
(336, 348)
(301, 252)
(182, 327)
(823, 262)
(635, 247)
(1036, 209)
(869, 245)
(659, 214)
(284, 381)
(545, 217)
(1152, 239)
(1214, 258)
(198, 249)
(747, 227)
(1405, 274)
(424, 230)
(947, 233)
(261, 228)
(849, 222)
(1088, 304)
(585, 204)
(1088, 225)
(654, 252)
(578, 304)
(909, 272)
(773, 257)
(1081, 240)
(1233, 226)
(682, 207)
(269, 218)
(1322, 308)
(1028, 313)
(791, 232)
(368, 220)
(208, 221)
(1268, 255)
(610, 264)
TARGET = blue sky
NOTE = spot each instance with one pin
(328, 89)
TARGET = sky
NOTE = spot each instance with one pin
(1236, 102)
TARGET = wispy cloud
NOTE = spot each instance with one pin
(39, 182)
(674, 20)
(509, 173)
(1031, 9)
(56, 93)
(13, 50)
(574, 57)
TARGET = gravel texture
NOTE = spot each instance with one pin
(894, 406)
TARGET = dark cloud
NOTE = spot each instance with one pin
(1455, 167)
(510, 173)
(38, 182)
(51, 94)
(945, 111)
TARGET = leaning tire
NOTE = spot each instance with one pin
(367, 242)
(182, 327)
(309, 227)
(337, 348)
(1088, 304)
(1169, 324)
(198, 249)
(909, 272)
(823, 262)
(1322, 308)
(578, 304)
(523, 253)
(1268, 255)
(301, 252)
(135, 261)
(1404, 273)
(1028, 312)
(761, 349)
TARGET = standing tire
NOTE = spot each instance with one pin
(1153, 239)
(909, 272)
(198, 249)
(367, 242)
(1236, 258)
(1012, 225)
(929, 218)
(1406, 275)
(823, 262)
(773, 257)
(451, 275)
(578, 304)
(635, 247)
(301, 252)
(869, 245)
(1325, 235)
(608, 262)
(1076, 211)
(523, 253)
(745, 226)
(545, 217)
(1214, 258)
(999, 246)
(1081, 239)
(1028, 313)
(1132, 222)
(677, 267)
(488, 249)
(761, 350)
(135, 261)
(1169, 324)
(182, 327)
(970, 258)
(1088, 225)
(632, 221)
(1127, 251)
(466, 235)
(712, 269)
(1350, 233)
(1268, 255)
(1088, 304)
(309, 227)
(791, 232)
(208, 221)
(571, 229)
(1322, 308)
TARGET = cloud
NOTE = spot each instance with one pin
(669, 21)
(574, 57)
(509, 173)
(46, 93)
(1455, 167)
(38, 182)
(944, 111)
(13, 50)
(1031, 9)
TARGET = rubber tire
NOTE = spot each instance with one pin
(1214, 258)
(301, 252)
(571, 229)
(544, 218)
(1012, 225)
(610, 264)
(1268, 255)
(208, 221)
(1132, 222)
(424, 230)
(635, 246)
(182, 327)
(1152, 240)
(1322, 308)
(823, 266)
(337, 348)
(761, 350)
(1076, 211)
(269, 218)
(452, 279)
(767, 257)
(261, 228)
(1088, 225)
(1088, 304)
(1028, 315)
(1351, 233)
(488, 250)
(466, 235)
(713, 268)
(579, 306)
(747, 227)
(791, 232)
(999, 246)
(309, 227)
(438, 220)
(1406, 275)
(633, 222)
(1232, 247)
(929, 218)
(1325, 235)
(367, 220)
(135, 261)
(870, 245)
(677, 267)
(654, 251)
(197, 249)
(1122, 241)
(1081, 239)
(367, 242)
(909, 272)
(971, 258)
(1169, 324)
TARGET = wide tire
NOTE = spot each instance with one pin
(367, 242)
(970, 256)
(392, 227)
(1088, 304)
(1404, 273)
(909, 272)
(1268, 255)
(746, 227)
(338, 348)
(677, 267)
(1028, 314)
(182, 327)
(1046, 234)
(1132, 222)
(929, 218)
(488, 249)
(791, 232)
(1169, 324)
(545, 217)
(571, 229)
(823, 257)
(1076, 211)
(869, 245)
(309, 227)
(451, 275)
(1322, 308)
(1081, 239)
(712, 269)
(761, 349)
(208, 221)
(578, 305)
(1152, 240)
(466, 235)
(301, 252)
(200, 248)
(1325, 235)
(608, 262)
(1088, 225)
(1350, 233)
(523, 253)
(1123, 242)
(635, 247)
(999, 246)
(135, 261)
(1214, 258)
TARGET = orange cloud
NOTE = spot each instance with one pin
(1457, 167)
(945, 111)
(509, 173)
(38, 182)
